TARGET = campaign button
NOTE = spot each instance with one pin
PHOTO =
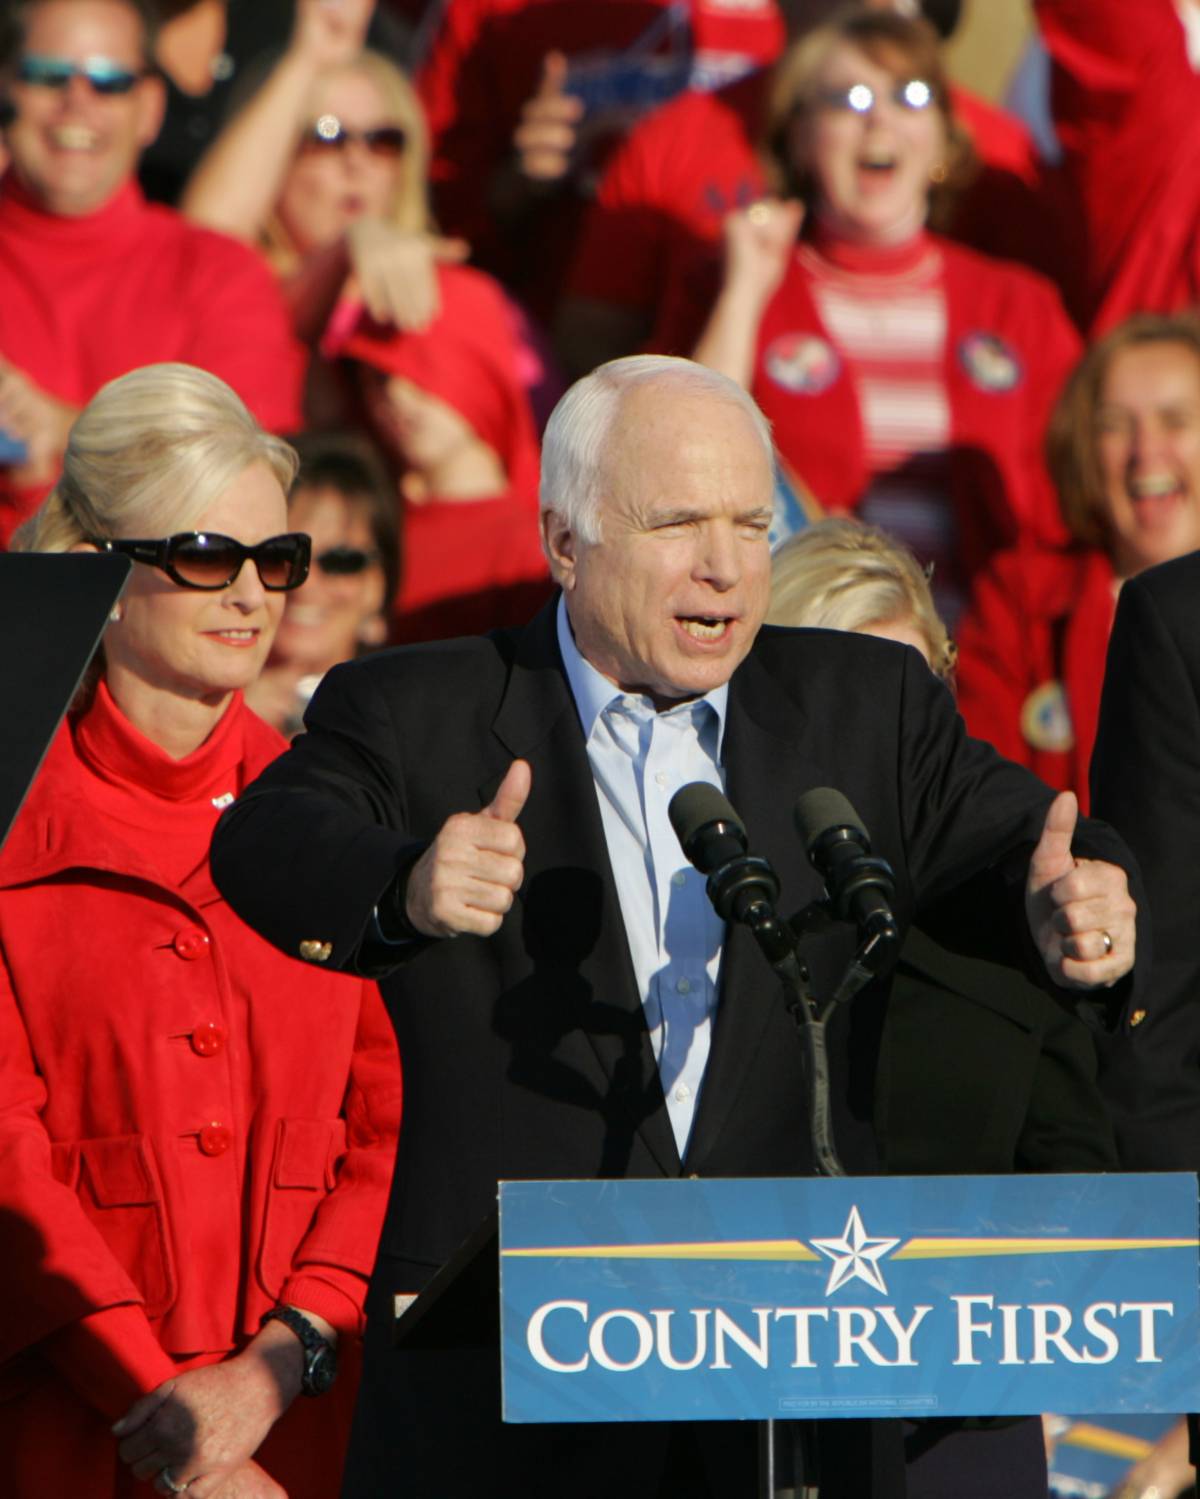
(209, 1038)
(802, 363)
(990, 363)
(1046, 719)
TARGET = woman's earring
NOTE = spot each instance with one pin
(938, 173)
(116, 614)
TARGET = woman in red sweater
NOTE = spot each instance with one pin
(1124, 451)
(907, 379)
(196, 1132)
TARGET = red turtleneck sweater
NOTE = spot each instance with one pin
(83, 300)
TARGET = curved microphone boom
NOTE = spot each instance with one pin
(745, 888)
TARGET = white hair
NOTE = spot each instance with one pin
(581, 429)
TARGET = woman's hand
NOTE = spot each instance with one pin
(204, 1425)
(395, 273)
(759, 241)
(330, 33)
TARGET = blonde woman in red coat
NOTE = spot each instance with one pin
(196, 1132)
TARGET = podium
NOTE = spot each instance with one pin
(794, 1301)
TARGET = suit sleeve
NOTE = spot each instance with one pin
(326, 822)
(333, 1262)
(965, 809)
(1066, 1125)
(1145, 779)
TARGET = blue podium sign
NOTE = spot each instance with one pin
(912, 1296)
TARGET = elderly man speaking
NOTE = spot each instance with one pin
(592, 1017)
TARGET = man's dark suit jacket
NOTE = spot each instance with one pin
(526, 1054)
(1146, 781)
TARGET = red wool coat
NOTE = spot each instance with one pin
(1031, 657)
(1009, 346)
(193, 1127)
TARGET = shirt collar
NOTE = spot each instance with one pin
(593, 692)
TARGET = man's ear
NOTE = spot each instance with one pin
(560, 546)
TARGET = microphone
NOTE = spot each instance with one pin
(741, 886)
(859, 885)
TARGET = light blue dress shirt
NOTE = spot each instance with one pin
(639, 759)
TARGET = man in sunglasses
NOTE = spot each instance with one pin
(94, 281)
(485, 823)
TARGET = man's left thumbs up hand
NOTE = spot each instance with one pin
(1080, 911)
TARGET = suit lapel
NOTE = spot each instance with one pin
(765, 772)
(572, 924)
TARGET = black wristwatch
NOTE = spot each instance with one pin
(320, 1356)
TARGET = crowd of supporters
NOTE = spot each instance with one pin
(397, 230)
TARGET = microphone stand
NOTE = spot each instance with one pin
(743, 889)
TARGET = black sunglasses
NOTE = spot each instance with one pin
(329, 134)
(104, 75)
(345, 562)
(202, 559)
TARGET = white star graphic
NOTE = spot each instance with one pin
(854, 1254)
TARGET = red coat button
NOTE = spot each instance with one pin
(191, 943)
(215, 1139)
(209, 1038)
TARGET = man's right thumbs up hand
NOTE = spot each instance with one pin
(466, 879)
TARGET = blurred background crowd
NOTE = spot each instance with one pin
(952, 248)
(951, 251)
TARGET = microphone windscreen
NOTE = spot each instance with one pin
(696, 806)
(823, 808)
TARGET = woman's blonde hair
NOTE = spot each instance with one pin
(147, 456)
(907, 47)
(842, 575)
(1071, 452)
(410, 209)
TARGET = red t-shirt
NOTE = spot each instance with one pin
(83, 300)
(625, 56)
